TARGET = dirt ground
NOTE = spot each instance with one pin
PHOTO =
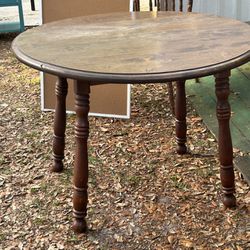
(141, 194)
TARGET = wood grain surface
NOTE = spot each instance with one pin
(147, 43)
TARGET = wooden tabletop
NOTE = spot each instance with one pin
(136, 47)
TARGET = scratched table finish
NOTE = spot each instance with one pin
(146, 47)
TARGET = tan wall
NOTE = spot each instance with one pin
(105, 99)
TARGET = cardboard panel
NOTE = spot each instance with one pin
(59, 9)
(105, 100)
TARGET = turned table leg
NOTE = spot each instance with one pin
(59, 124)
(171, 97)
(180, 115)
(225, 142)
(80, 196)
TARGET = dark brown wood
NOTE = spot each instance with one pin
(96, 50)
(158, 5)
(180, 114)
(180, 5)
(166, 6)
(59, 124)
(190, 6)
(225, 142)
(80, 196)
(170, 5)
(150, 5)
(136, 5)
(173, 5)
(171, 97)
(200, 48)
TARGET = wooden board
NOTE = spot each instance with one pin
(203, 99)
(110, 100)
(243, 164)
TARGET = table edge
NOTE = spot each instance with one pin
(100, 77)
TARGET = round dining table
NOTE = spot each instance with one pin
(136, 48)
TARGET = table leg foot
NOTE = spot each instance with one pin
(80, 196)
(229, 201)
(181, 149)
(180, 114)
(59, 125)
(80, 227)
(79, 223)
(57, 165)
(224, 139)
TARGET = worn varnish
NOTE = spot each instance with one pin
(167, 5)
(155, 43)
